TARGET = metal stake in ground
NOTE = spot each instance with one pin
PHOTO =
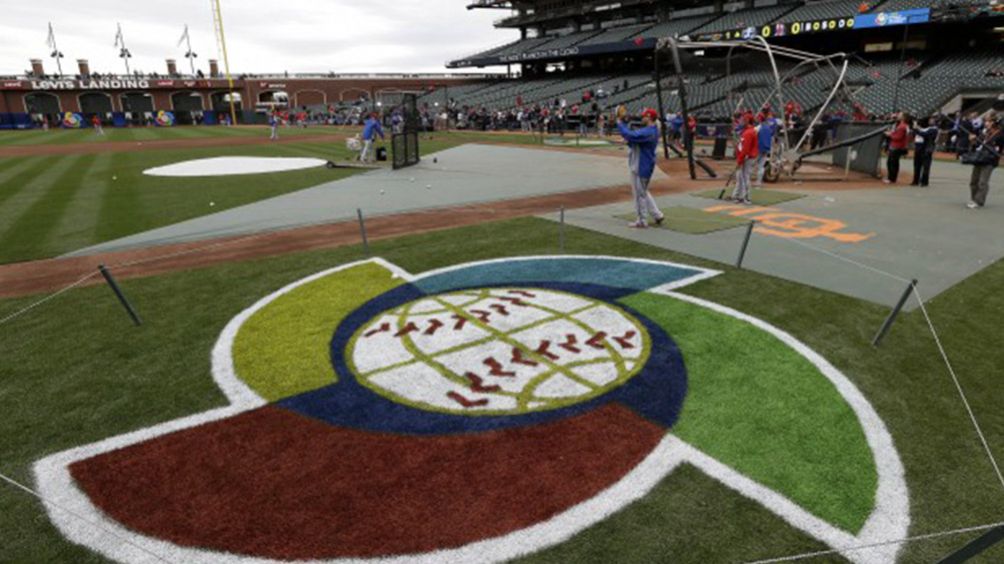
(561, 230)
(746, 242)
(362, 231)
(121, 296)
(887, 324)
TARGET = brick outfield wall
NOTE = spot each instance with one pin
(301, 91)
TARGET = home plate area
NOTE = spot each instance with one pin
(481, 413)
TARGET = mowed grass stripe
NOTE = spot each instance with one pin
(76, 227)
(13, 166)
(176, 133)
(121, 211)
(43, 137)
(146, 134)
(20, 177)
(307, 150)
(41, 208)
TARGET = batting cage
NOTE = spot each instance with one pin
(404, 143)
(720, 82)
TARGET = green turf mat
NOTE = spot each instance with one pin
(73, 371)
(692, 221)
(759, 196)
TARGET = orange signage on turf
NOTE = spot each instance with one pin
(790, 225)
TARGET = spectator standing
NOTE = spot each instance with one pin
(990, 144)
(898, 140)
(747, 152)
(925, 135)
(642, 144)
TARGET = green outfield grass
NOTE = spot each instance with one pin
(51, 205)
(55, 204)
(74, 371)
(58, 136)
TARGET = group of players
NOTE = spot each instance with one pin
(754, 139)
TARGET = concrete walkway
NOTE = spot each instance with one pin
(463, 175)
(922, 233)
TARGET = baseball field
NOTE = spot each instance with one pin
(475, 360)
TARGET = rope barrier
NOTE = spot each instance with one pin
(98, 526)
(857, 548)
(962, 394)
(32, 306)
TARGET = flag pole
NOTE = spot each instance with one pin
(222, 44)
(188, 54)
(123, 52)
(55, 50)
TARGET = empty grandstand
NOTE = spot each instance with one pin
(920, 56)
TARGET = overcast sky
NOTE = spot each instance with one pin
(320, 36)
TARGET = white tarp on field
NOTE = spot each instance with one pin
(225, 166)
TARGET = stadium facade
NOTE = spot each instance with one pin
(134, 99)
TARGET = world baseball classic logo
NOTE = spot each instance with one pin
(480, 413)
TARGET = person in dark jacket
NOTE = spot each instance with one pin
(642, 144)
(990, 142)
(924, 137)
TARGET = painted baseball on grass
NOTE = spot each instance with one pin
(480, 413)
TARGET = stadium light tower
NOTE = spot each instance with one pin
(189, 54)
(221, 46)
(56, 53)
(124, 53)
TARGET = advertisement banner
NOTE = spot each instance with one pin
(164, 119)
(72, 120)
(886, 19)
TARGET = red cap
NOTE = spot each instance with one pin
(650, 114)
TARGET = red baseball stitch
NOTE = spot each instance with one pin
(464, 401)
(499, 308)
(596, 341)
(543, 350)
(624, 340)
(477, 383)
(496, 368)
(569, 344)
(409, 328)
(482, 315)
(517, 358)
(434, 326)
(384, 327)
